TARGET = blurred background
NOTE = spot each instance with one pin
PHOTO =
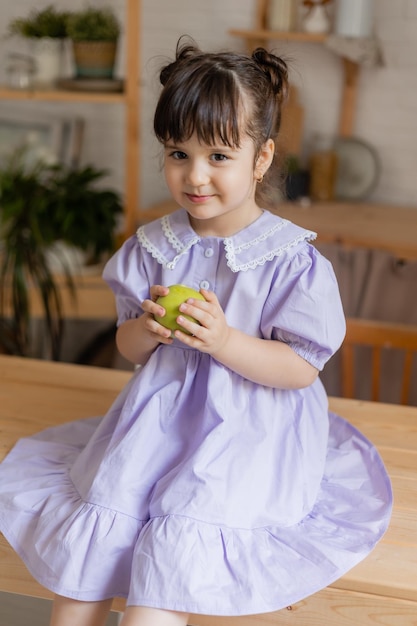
(353, 71)
(386, 96)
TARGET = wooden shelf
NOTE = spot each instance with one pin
(59, 95)
(262, 34)
(129, 98)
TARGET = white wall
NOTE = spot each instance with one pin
(386, 109)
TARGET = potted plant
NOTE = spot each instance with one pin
(40, 205)
(46, 30)
(94, 34)
(297, 178)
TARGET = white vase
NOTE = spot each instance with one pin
(316, 20)
(48, 57)
(354, 18)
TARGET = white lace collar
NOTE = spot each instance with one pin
(170, 238)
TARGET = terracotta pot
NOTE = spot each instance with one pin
(94, 59)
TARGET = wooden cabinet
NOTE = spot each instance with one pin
(260, 36)
(129, 98)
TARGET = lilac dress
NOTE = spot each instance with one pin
(199, 490)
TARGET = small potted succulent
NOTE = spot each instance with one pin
(45, 29)
(94, 33)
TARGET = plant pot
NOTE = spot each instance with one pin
(62, 255)
(94, 59)
(48, 56)
(297, 185)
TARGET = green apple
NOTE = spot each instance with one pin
(171, 303)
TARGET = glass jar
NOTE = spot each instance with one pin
(282, 15)
(323, 169)
(20, 70)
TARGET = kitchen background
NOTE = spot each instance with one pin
(386, 113)
(387, 95)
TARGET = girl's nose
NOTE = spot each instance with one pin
(197, 174)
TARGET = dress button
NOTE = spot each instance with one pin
(209, 252)
(204, 284)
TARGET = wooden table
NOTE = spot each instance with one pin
(384, 227)
(382, 590)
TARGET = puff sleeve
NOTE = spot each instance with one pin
(304, 308)
(125, 273)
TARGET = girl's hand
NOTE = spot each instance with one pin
(156, 331)
(138, 337)
(210, 332)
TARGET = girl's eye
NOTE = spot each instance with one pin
(177, 154)
(219, 157)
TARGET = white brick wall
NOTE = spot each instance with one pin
(386, 108)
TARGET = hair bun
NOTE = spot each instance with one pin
(184, 52)
(275, 69)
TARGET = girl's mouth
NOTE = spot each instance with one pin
(197, 199)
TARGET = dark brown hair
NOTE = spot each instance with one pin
(213, 93)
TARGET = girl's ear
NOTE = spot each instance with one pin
(264, 159)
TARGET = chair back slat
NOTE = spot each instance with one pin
(408, 367)
(378, 337)
(376, 373)
(348, 370)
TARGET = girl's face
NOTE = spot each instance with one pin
(216, 184)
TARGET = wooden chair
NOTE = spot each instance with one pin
(380, 338)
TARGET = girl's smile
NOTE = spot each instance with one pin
(198, 199)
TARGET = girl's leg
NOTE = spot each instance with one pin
(69, 612)
(146, 616)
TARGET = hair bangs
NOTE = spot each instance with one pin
(208, 104)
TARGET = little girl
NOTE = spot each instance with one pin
(217, 483)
